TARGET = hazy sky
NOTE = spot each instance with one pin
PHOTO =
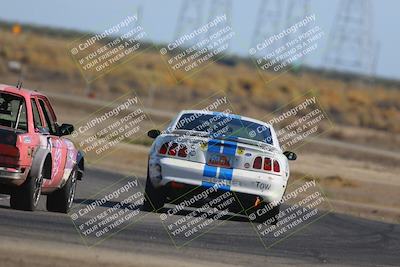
(160, 21)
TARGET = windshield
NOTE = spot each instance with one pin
(13, 112)
(223, 125)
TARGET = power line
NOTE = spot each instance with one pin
(296, 11)
(219, 8)
(269, 21)
(350, 46)
(189, 19)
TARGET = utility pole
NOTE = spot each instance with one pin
(220, 8)
(350, 47)
(268, 22)
(189, 19)
(296, 11)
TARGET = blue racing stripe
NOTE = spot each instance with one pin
(229, 148)
(207, 184)
(225, 174)
(210, 171)
(213, 146)
(219, 186)
(225, 187)
(229, 143)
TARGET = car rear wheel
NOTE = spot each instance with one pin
(61, 200)
(154, 197)
(26, 197)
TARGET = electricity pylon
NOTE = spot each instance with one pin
(350, 46)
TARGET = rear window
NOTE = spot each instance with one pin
(13, 112)
(224, 125)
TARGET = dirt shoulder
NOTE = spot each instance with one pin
(20, 253)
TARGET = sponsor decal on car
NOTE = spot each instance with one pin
(27, 140)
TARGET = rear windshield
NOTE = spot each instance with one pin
(13, 112)
(223, 125)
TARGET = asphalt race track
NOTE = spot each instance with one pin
(333, 240)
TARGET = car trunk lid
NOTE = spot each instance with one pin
(227, 154)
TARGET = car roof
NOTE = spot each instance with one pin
(22, 92)
(225, 114)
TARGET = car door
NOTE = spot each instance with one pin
(57, 145)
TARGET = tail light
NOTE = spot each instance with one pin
(9, 155)
(172, 149)
(277, 168)
(267, 164)
(10, 151)
(257, 163)
(182, 151)
(163, 149)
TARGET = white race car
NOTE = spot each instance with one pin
(202, 149)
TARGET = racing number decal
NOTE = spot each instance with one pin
(57, 157)
(58, 161)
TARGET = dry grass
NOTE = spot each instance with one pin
(347, 103)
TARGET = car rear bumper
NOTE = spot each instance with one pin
(268, 186)
(9, 176)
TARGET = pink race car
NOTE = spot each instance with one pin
(35, 157)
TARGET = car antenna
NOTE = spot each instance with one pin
(19, 84)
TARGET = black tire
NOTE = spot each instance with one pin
(26, 196)
(62, 199)
(154, 198)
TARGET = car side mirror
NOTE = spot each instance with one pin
(290, 155)
(153, 133)
(66, 129)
